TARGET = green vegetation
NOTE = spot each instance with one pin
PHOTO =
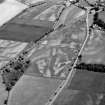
(13, 71)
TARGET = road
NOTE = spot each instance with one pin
(72, 71)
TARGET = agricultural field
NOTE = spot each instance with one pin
(30, 89)
(52, 53)
(10, 49)
(15, 9)
(78, 97)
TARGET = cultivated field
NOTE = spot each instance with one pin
(32, 90)
(53, 57)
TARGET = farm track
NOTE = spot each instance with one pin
(49, 32)
(72, 71)
(6, 101)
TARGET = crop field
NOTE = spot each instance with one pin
(86, 88)
(78, 97)
(23, 33)
(15, 9)
(52, 53)
(9, 50)
(24, 28)
(30, 89)
(90, 81)
(56, 53)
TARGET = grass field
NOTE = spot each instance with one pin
(7, 13)
(78, 97)
(23, 33)
(32, 90)
(88, 81)
(9, 50)
(24, 28)
(86, 88)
